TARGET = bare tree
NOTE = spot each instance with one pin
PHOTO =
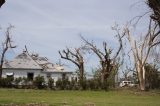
(107, 61)
(154, 56)
(76, 58)
(2, 2)
(6, 45)
(126, 72)
(155, 6)
(141, 49)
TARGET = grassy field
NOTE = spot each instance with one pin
(79, 98)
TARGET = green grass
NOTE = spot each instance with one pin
(79, 98)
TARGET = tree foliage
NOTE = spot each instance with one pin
(152, 76)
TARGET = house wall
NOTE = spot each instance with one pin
(56, 76)
(23, 73)
(20, 73)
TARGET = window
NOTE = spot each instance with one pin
(30, 76)
(10, 75)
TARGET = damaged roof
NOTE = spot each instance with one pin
(22, 61)
(34, 62)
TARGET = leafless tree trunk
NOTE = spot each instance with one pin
(155, 6)
(142, 49)
(126, 72)
(107, 61)
(7, 44)
(76, 58)
(2, 2)
(155, 55)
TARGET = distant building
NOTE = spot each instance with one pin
(30, 66)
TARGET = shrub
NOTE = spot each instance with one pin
(63, 84)
(74, 84)
(39, 82)
(18, 80)
(66, 84)
(59, 84)
(152, 77)
(105, 85)
(83, 84)
(50, 83)
(25, 82)
(91, 84)
(6, 82)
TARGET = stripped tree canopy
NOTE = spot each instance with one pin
(2, 2)
(155, 6)
(75, 56)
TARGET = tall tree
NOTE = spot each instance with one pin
(126, 73)
(6, 45)
(108, 61)
(75, 57)
(155, 6)
(156, 55)
(141, 49)
(2, 2)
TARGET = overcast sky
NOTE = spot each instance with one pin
(47, 26)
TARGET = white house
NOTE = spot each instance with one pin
(30, 66)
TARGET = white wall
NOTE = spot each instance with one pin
(23, 73)
(57, 76)
(20, 73)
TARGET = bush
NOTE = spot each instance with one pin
(18, 80)
(74, 84)
(50, 83)
(152, 77)
(59, 84)
(39, 82)
(6, 82)
(66, 84)
(83, 84)
(92, 84)
(63, 84)
(105, 85)
(25, 83)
